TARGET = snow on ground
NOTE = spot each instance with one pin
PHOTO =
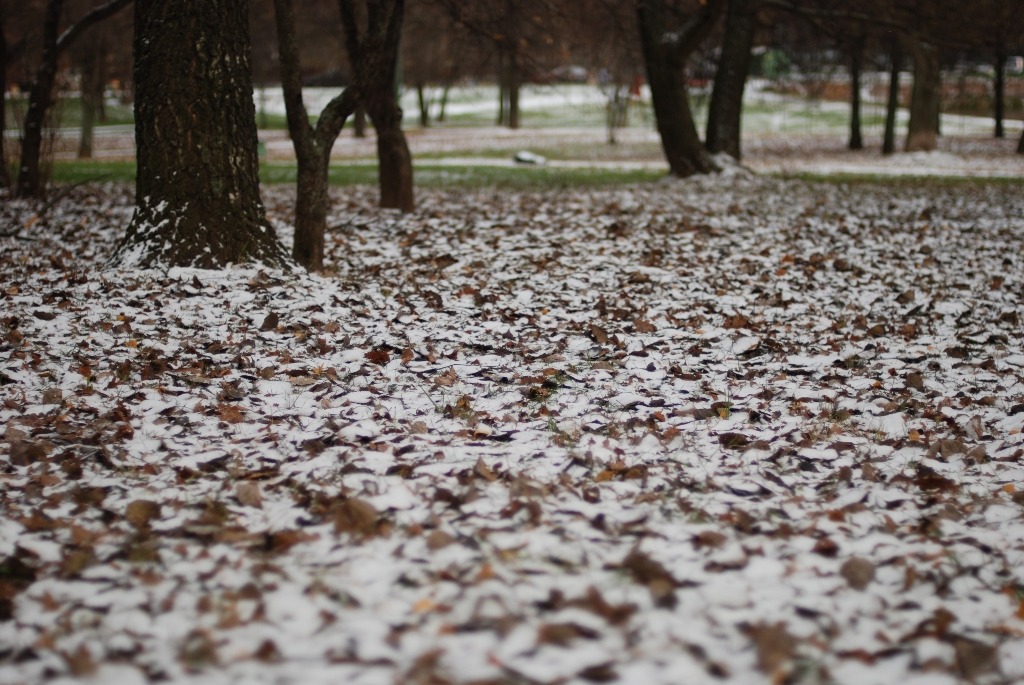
(729, 429)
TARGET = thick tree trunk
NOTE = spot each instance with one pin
(892, 102)
(666, 76)
(359, 122)
(726, 109)
(856, 59)
(197, 197)
(925, 99)
(1000, 93)
(40, 99)
(393, 157)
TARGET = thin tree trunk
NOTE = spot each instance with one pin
(312, 144)
(1020, 145)
(892, 102)
(664, 60)
(5, 176)
(856, 58)
(197, 199)
(93, 81)
(424, 105)
(514, 84)
(923, 131)
(442, 114)
(41, 94)
(40, 99)
(725, 112)
(1000, 94)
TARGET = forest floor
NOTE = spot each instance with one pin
(728, 429)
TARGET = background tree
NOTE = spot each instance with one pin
(434, 52)
(670, 33)
(373, 30)
(30, 180)
(312, 143)
(197, 197)
(519, 37)
(726, 109)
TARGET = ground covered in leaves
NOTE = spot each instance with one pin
(719, 430)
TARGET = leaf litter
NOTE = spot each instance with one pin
(723, 430)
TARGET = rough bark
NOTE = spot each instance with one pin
(726, 109)
(1000, 94)
(197, 199)
(373, 52)
(5, 176)
(30, 180)
(925, 100)
(665, 55)
(856, 66)
(312, 143)
(892, 102)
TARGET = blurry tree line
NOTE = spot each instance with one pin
(368, 49)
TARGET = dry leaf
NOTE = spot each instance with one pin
(355, 516)
(248, 493)
(140, 512)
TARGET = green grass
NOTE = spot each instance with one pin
(68, 112)
(427, 175)
(904, 181)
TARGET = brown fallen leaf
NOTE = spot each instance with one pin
(248, 493)
(563, 634)
(379, 356)
(484, 471)
(773, 643)
(355, 516)
(858, 572)
(270, 322)
(140, 512)
(24, 453)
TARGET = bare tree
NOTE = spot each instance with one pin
(373, 30)
(197, 199)
(312, 143)
(30, 182)
(726, 109)
(670, 33)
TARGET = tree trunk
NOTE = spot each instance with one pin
(726, 109)
(1020, 145)
(5, 176)
(93, 82)
(442, 114)
(197, 199)
(393, 157)
(856, 58)
(514, 84)
(359, 122)
(312, 144)
(1000, 93)
(892, 103)
(666, 77)
(925, 98)
(424, 104)
(40, 99)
